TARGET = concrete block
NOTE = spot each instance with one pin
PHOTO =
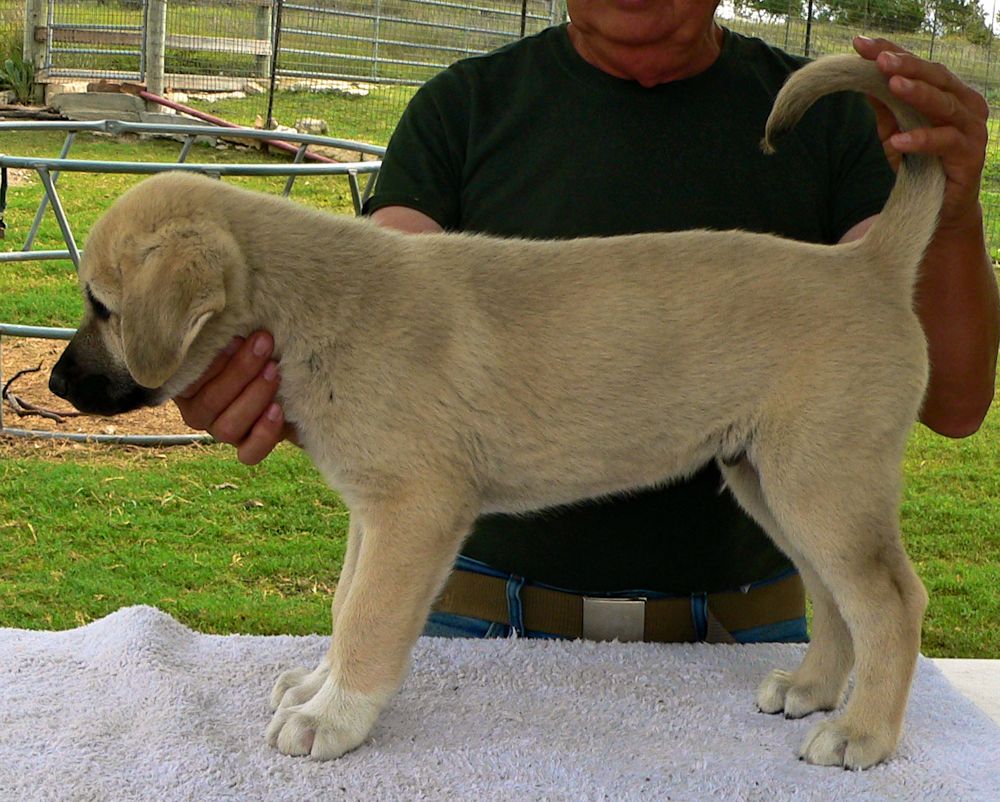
(99, 106)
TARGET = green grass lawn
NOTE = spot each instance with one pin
(951, 528)
(224, 547)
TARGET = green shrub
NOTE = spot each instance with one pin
(19, 75)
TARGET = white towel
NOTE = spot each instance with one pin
(138, 707)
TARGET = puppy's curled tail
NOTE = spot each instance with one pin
(900, 236)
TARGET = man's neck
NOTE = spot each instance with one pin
(681, 54)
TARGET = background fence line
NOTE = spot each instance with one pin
(287, 59)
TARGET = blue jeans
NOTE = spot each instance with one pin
(449, 625)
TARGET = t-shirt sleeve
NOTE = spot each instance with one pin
(861, 178)
(422, 166)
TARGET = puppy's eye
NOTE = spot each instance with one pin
(99, 309)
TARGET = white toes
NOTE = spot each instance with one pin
(291, 732)
(297, 686)
(802, 700)
(288, 679)
(331, 722)
(772, 691)
(836, 743)
(781, 692)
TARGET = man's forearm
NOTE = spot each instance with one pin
(958, 305)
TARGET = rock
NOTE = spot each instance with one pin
(311, 125)
(73, 87)
(213, 97)
(341, 88)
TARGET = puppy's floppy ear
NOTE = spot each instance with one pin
(173, 282)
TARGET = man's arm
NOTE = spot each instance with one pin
(234, 401)
(957, 305)
(957, 298)
(405, 219)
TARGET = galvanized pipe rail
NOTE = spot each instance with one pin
(49, 169)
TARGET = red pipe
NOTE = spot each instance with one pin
(276, 143)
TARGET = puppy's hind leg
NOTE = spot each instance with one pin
(299, 685)
(409, 546)
(841, 514)
(821, 679)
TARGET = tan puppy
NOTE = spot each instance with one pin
(437, 377)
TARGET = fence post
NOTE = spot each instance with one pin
(262, 31)
(156, 43)
(33, 50)
(275, 53)
(807, 45)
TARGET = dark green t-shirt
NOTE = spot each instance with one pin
(532, 141)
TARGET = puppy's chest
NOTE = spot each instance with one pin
(327, 429)
(308, 387)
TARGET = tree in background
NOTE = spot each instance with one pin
(906, 16)
(963, 17)
(942, 17)
(769, 9)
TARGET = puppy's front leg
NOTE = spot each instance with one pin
(409, 545)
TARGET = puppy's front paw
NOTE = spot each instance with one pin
(781, 692)
(837, 743)
(332, 722)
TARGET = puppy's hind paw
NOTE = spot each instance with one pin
(837, 743)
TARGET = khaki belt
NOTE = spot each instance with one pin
(570, 615)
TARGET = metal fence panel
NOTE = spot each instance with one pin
(86, 39)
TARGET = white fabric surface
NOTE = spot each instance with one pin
(978, 680)
(138, 707)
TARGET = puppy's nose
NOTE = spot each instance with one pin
(57, 384)
(59, 378)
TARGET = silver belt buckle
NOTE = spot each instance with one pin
(614, 619)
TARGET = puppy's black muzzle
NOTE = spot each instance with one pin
(95, 390)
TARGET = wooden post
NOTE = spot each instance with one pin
(156, 40)
(33, 50)
(262, 29)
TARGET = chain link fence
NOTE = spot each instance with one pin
(273, 62)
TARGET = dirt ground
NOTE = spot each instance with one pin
(19, 354)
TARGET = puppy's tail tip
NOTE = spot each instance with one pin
(909, 218)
